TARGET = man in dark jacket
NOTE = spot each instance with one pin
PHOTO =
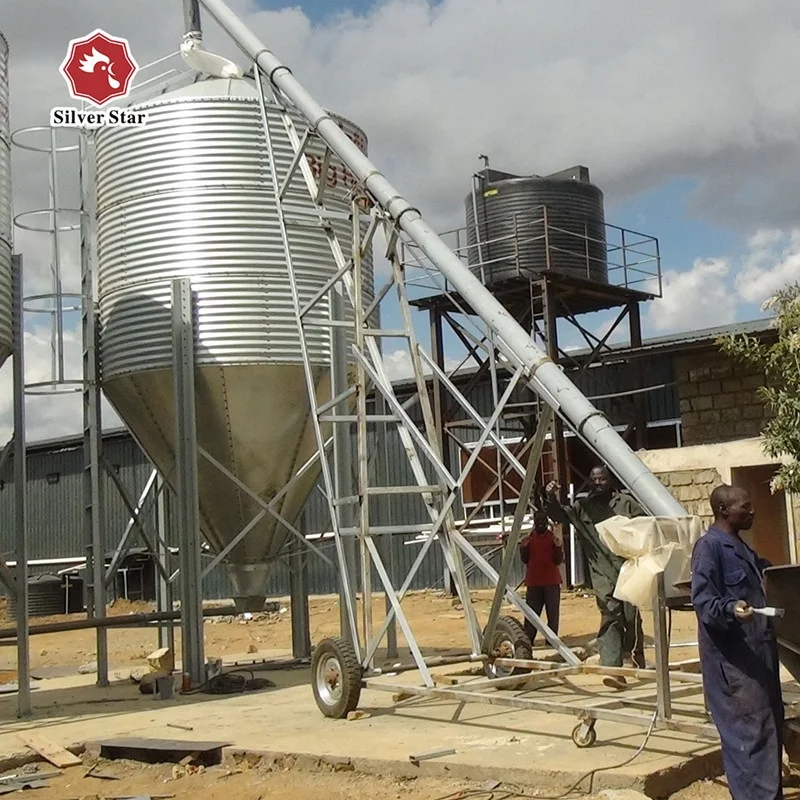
(542, 553)
(738, 650)
(620, 633)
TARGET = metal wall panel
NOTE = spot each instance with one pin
(56, 508)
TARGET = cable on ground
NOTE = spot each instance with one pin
(233, 682)
(508, 791)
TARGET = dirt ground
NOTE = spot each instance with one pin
(437, 622)
(717, 790)
(233, 780)
(254, 779)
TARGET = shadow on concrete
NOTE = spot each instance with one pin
(57, 705)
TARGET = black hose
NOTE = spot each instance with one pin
(233, 682)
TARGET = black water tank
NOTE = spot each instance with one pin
(510, 209)
(46, 597)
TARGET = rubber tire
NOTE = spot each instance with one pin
(591, 737)
(350, 672)
(510, 629)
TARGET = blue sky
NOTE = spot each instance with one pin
(319, 11)
(702, 254)
(663, 213)
(685, 113)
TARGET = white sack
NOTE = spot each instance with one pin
(650, 545)
(638, 536)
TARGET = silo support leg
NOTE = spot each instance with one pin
(298, 590)
(193, 656)
(20, 502)
(166, 630)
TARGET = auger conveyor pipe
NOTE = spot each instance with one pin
(544, 377)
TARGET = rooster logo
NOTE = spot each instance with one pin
(102, 62)
(99, 67)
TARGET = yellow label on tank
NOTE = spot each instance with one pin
(490, 192)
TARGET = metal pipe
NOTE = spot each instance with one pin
(122, 621)
(438, 661)
(298, 588)
(270, 665)
(546, 378)
(191, 19)
(22, 629)
(166, 633)
(343, 472)
(58, 311)
(94, 488)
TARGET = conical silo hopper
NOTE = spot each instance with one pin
(5, 210)
(189, 194)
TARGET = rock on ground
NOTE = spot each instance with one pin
(621, 794)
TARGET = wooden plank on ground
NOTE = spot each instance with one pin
(49, 750)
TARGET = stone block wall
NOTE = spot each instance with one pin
(692, 488)
(718, 397)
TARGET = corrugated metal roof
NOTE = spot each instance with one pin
(705, 336)
(753, 327)
(759, 327)
(73, 441)
(407, 386)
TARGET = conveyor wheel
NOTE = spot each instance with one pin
(336, 677)
(509, 641)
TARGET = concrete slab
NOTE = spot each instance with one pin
(523, 747)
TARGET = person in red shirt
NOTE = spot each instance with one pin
(542, 553)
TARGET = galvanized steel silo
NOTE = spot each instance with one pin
(5, 209)
(189, 195)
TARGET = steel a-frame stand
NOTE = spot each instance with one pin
(342, 665)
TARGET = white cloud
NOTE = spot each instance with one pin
(773, 261)
(398, 364)
(638, 92)
(641, 93)
(714, 291)
(669, 90)
(47, 416)
(700, 297)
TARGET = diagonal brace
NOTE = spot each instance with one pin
(534, 456)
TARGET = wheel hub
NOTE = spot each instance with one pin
(504, 648)
(329, 680)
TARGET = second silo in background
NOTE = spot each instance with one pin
(5, 209)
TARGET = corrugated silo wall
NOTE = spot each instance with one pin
(55, 506)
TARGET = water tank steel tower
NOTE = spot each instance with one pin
(5, 209)
(529, 224)
(189, 194)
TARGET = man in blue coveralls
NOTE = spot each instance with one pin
(738, 650)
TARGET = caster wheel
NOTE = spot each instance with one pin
(336, 677)
(584, 735)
